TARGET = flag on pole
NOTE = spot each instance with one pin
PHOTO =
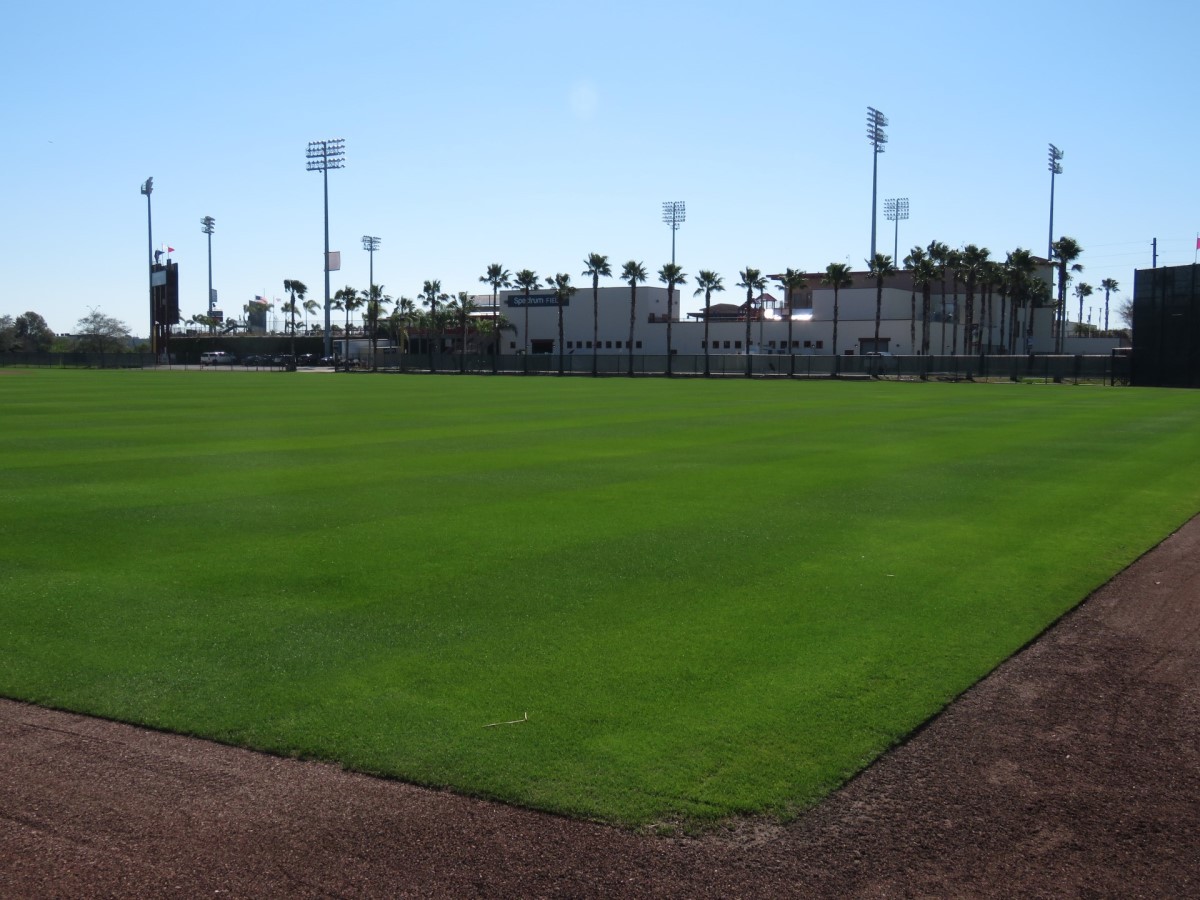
(1198, 242)
(170, 249)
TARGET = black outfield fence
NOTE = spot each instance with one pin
(1108, 368)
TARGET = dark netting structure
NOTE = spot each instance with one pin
(1166, 327)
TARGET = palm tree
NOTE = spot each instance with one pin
(670, 275)
(563, 290)
(939, 255)
(348, 300)
(990, 277)
(837, 276)
(1082, 291)
(791, 281)
(954, 267)
(526, 280)
(296, 291)
(915, 257)
(752, 280)
(402, 318)
(879, 267)
(372, 300)
(632, 273)
(1109, 285)
(597, 265)
(973, 261)
(1065, 251)
(498, 277)
(460, 308)
(431, 295)
(1021, 268)
(706, 283)
(310, 308)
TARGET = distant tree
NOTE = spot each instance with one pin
(752, 280)
(1083, 290)
(791, 281)
(597, 266)
(563, 289)
(348, 300)
(526, 280)
(310, 308)
(498, 277)
(100, 333)
(632, 273)
(8, 333)
(837, 276)
(1125, 312)
(431, 295)
(918, 264)
(372, 301)
(973, 261)
(671, 275)
(1064, 251)
(1109, 285)
(879, 267)
(461, 309)
(31, 334)
(706, 283)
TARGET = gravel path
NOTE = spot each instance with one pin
(1073, 770)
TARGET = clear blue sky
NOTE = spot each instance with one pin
(532, 133)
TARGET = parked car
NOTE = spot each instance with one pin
(217, 358)
(306, 359)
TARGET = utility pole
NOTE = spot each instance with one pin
(147, 190)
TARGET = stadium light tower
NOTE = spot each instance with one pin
(895, 211)
(323, 156)
(147, 190)
(674, 214)
(876, 122)
(1056, 156)
(206, 226)
(371, 244)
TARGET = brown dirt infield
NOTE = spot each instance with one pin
(1073, 770)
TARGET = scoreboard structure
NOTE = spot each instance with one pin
(1166, 327)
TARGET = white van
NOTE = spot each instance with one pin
(216, 358)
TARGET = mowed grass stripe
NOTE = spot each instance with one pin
(710, 597)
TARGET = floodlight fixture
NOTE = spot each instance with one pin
(674, 213)
(370, 244)
(896, 210)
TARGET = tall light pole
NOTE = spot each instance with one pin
(895, 211)
(370, 244)
(206, 226)
(147, 190)
(876, 121)
(674, 214)
(323, 156)
(1056, 156)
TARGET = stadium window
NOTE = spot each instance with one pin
(808, 343)
(737, 345)
(618, 345)
(726, 345)
(608, 345)
(512, 345)
(820, 345)
(589, 345)
(770, 344)
(637, 346)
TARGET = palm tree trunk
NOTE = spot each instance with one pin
(707, 370)
(560, 335)
(791, 348)
(670, 294)
(836, 359)
(749, 308)
(595, 322)
(632, 322)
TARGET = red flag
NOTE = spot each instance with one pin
(1198, 242)
(170, 249)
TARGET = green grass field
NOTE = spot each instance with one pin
(710, 597)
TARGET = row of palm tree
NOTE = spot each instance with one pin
(1013, 280)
